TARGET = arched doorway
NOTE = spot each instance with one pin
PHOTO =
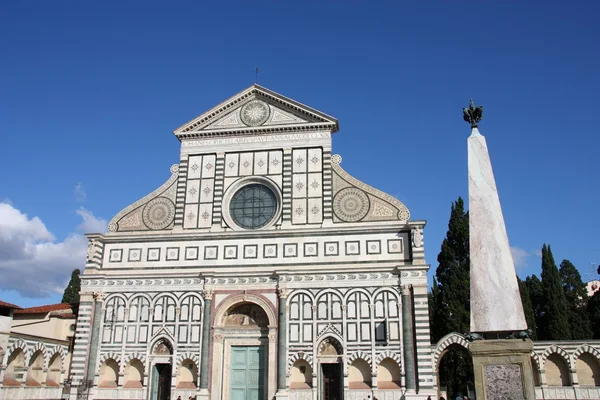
(330, 363)
(455, 372)
(162, 364)
(244, 349)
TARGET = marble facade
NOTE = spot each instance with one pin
(326, 288)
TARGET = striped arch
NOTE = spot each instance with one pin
(106, 356)
(444, 343)
(560, 351)
(19, 344)
(362, 355)
(295, 357)
(41, 348)
(389, 354)
(586, 348)
(538, 360)
(129, 357)
(61, 352)
(186, 356)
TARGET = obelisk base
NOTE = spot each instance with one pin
(503, 369)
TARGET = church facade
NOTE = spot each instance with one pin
(260, 269)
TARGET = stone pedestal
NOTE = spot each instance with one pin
(503, 369)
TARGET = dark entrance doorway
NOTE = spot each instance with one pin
(332, 381)
(161, 382)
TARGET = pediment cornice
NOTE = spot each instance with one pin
(222, 120)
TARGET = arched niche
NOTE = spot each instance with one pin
(187, 374)
(54, 371)
(588, 370)
(330, 347)
(14, 368)
(233, 302)
(359, 374)
(388, 374)
(245, 315)
(109, 374)
(162, 347)
(301, 375)
(557, 371)
(35, 373)
(134, 374)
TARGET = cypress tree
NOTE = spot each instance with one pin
(593, 308)
(434, 307)
(556, 319)
(452, 275)
(577, 299)
(72, 290)
(538, 302)
(527, 307)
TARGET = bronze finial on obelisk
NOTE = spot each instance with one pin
(473, 114)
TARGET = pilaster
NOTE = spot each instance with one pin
(217, 214)
(408, 337)
(208, 295)
(282, 344)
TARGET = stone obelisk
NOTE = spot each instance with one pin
(501, 361)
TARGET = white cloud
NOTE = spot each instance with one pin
(80, 194)
(90, 223)
(520, 257)
(32, 261)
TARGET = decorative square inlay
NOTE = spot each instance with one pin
(191, 253)
(270, 251)
(172, 253)
(250, 251)
(311, 249)
(352, 248)
(153, 254)
(394, 246)
(290, 250)
(134, 255)
(116, 255)
(373, 247)
(230, 252)
(503, 381)
(211, 252)
(332, 249)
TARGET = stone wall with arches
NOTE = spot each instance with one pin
(33, 368)
(136, 330)
(562, 369)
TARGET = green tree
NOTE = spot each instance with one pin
(538, 302)
(434, 307)
(556, 319)
(449, 300)
(452, 275)
(577, 299)
(593, 308)
(72, 290)
(527, 307)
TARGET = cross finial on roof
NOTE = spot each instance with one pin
(256, 76)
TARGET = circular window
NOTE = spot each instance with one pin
(253, 206)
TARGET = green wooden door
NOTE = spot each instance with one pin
(247, 378)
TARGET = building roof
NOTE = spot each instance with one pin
(44, 309)
(8, 305)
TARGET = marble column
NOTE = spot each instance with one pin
(282, 337)
(95, 335)
(495, 298)
(408, 342)
(208, 294)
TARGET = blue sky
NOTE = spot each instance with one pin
(91, 92)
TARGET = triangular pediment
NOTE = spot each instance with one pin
(256, 110)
